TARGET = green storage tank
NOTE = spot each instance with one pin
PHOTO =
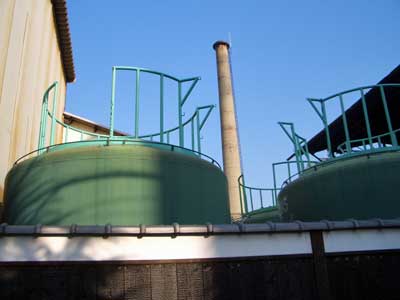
(361, 187)
(118, 185)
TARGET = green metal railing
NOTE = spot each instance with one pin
(181, 98)
(254, 198)
(371, 143)
(196, 122)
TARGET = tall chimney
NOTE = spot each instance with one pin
(229, 133)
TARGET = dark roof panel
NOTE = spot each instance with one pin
(356, 121)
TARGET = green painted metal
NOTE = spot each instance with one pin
(159, 135)
(323, 179)
(346, 128)
(162, 108)
(387, 116)
(181, 99)
(45, 111)
(116, 184)
(263, 197)
(360, 187)
(137, 104)
(122, 180)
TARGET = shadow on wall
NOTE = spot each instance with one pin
(257, 278)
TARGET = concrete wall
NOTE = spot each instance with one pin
(30, 60)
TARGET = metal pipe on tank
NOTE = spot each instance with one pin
(229, 133)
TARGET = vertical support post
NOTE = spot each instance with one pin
(181, 139)
(365, 110)
(137, 104)
(346, 128)
(261, 199)
(114, 70)
(320, 265)
(297, 150)
(161, 108)
(325, 121)
(393, 136)
(251, 199)
(274, 178)
(229, 133)
(53, 117)
(198, 131)
(242, 194)
(192, 132)
(43, 121)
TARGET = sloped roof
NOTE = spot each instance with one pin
(64, 38)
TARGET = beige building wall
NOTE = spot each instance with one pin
(30, 61)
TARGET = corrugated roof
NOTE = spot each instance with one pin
(64, 37)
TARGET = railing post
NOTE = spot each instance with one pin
(274, 178)
(365, 110)
(53, 118)
(137, 104)
(181, 138)
(240, 194)
(161, 108)
(322, 115)
(346, 128)
(198, 131)
(393, 136)
(246, 208)
(43, 121)
(328, 137)
(114, 70)
(192, 132)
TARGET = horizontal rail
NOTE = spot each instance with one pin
(110, 141)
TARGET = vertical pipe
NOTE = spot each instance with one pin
(137, 104)
(229, 134)
(53, 116)
(388, 119)
(161, 108)
(114, 70)
(365, 110)
(261, 199)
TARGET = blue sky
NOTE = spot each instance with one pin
(282, 52)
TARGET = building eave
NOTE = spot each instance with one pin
(64, 38)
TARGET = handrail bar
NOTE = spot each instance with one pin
(124, 142)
